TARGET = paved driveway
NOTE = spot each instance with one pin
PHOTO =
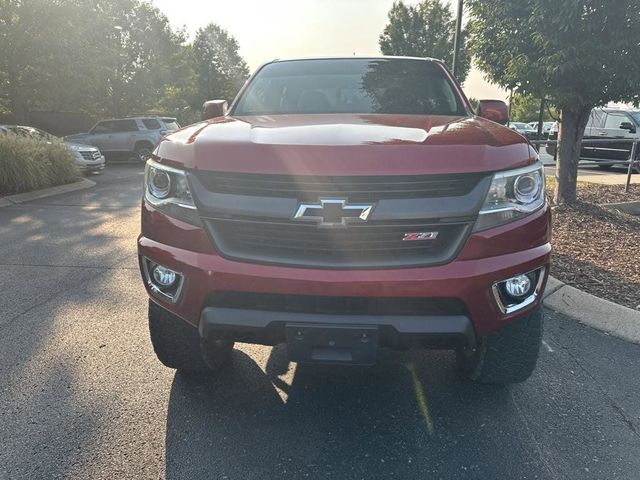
(82, 395)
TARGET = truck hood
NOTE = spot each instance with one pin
(331, 144)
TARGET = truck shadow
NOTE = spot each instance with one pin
(407, 417)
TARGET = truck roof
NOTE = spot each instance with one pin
(356, 57)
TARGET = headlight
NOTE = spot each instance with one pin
(513, 194)
(167, 189)
(159, 183)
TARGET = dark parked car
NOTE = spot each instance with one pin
(524, 129)
(343, 205)
(611, 124)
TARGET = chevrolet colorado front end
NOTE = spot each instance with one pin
(343, 205)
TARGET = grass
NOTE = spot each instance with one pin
(28, 164)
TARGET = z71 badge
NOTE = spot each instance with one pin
(413, 236)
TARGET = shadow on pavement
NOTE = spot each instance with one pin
(407, 417)
(62, 258)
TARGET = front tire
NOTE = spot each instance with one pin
(177, 344)
(143, 151)
(506, 356)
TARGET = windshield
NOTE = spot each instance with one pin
(171, 123)
(393, 86)
(636, 116)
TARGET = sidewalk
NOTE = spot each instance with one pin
(607, 179)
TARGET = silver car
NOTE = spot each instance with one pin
(126, 137)
(88, 158)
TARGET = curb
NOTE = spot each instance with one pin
(45, 192)
(608, 317)
(632, 208)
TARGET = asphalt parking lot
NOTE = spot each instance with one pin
(82, 395)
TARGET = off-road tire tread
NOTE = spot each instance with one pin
(510, 354)
(176, 343)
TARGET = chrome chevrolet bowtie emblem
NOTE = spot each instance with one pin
(333, 212)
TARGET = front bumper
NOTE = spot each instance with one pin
(487, 257)
(93, 166)
(352, 339)
(395, 331)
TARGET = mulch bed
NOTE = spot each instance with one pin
(598, 250)
(599, 194)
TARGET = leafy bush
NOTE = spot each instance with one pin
(29, 164)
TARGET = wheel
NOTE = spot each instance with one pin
(178, 345)
(143, 151)
(551, 150)
(605, 167)
(506, 356)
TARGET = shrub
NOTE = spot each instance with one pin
(29, 164)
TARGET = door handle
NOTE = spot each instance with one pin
(603, 134)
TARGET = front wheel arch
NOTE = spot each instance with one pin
(143, 150)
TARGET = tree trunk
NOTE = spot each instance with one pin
(115, 99)
(573, 120)
(19, 108)
(17, 100)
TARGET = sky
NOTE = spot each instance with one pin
(268, 29)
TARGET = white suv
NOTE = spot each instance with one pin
(127, 136)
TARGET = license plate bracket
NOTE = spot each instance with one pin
(327, 343)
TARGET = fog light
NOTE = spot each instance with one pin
(518, 287)
(163, 283)
(163, 276)
(518, 292)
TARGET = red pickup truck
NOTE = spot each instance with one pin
(343, 205)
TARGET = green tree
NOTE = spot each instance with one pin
(99, 56)
(180, 95)
(584, 53)
(134, 44)
(37, 41)
(424, 30)
(526, 108)
(220, 70)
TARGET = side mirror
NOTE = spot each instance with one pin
(628, 126)
(213, 109)
(494, 110)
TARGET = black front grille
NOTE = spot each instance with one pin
(360, 245)
(337, 305)
(354, 188)
(250, 218)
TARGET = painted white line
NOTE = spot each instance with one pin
(547, 346)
